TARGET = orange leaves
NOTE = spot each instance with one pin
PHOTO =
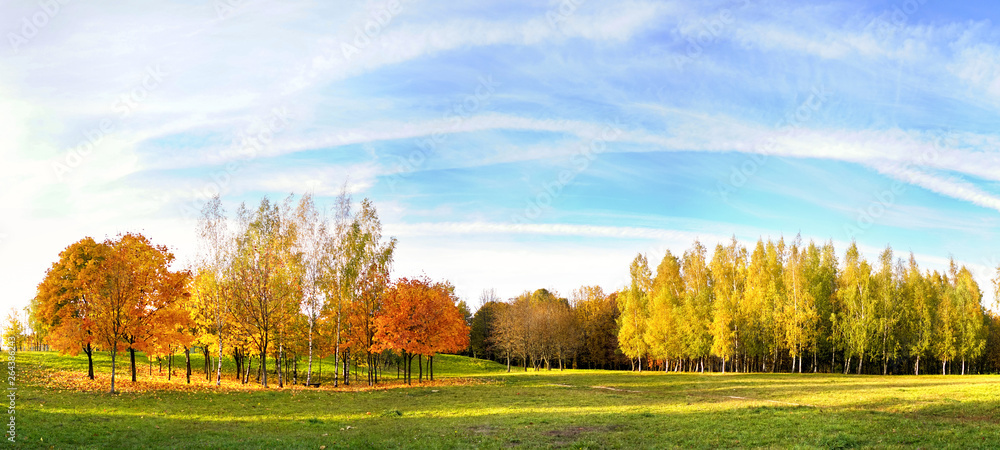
(116, 292)
(61, 304)
(421, 317)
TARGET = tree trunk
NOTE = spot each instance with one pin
(263, 365)
(187, 360)
(336, 350)
(113, 361)
(420, 365)
(218, 370)
(309, 371)
(281, 378)
(430, 366)
(131, 354)
(170, 366)
(90, 361)
(347, 373)
(916, 367)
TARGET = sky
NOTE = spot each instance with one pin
(506, 144)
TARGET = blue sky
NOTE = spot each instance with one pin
(508, 145)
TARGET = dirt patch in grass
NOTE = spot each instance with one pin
(483, 429)
(573, 432)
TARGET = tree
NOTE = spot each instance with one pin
(597, 315)
(920, 313)
(216, 254)
(697, 304)
(662, 334)
(858, 322)
(132, 295)
(799, 314)
(483, 325)
(342, 271)
(13, 332)
(369, 261)
(970, 317)
(419, 317)
(313, 243)
(62, 304)
(728, 270)
(888, 314)
(262, 273)
(755, 311)
(821, 274)
(634, 306)
(508, 333)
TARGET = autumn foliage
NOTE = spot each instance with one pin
(276, 285)
(419, 317)
(117, 295)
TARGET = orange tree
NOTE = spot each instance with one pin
(419, 317)
(61, 304)
(133, 297)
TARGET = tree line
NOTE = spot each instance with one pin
(784, 306)
(275, 285)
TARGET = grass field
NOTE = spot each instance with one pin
(477, 404)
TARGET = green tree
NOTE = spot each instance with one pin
(858, 320)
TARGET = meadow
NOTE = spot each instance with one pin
(476, 403)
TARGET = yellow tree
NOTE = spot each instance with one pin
(920, 310)
(728, 269)
(970, 317)
(595, 312)
(944, 328)
(203, 307)
(697, 307)
(661, 332)
(264, 282)
(634, 306)
(799, 313)
(13, 332)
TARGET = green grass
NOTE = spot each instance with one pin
(588, 409)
